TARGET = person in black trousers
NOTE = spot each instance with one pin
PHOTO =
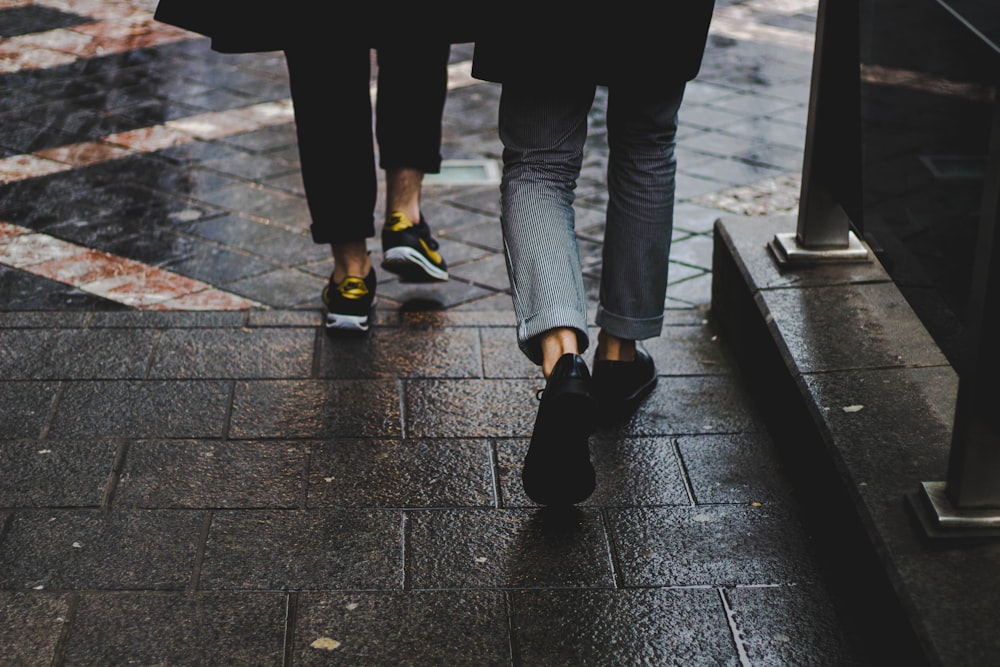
(329, 66)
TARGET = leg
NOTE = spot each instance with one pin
(642, 130)
(543, 137)
(412, 87)
(343, 222)
(345, 218)
(543, 133)
(403, 186)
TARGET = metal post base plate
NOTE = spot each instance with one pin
(940, 519)
(787, 251)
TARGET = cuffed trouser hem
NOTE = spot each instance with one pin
(629, 328)
(533, 326)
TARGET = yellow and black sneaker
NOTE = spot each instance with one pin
(409, 251)
(349, 303)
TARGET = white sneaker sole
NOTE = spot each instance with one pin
(341, 322)
(347, 322)
(403, 260)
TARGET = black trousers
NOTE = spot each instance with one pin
(331, 95)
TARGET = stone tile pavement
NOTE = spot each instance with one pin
(192, 472)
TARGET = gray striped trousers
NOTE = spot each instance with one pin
(544, 131)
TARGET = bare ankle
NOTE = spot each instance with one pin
(555, 343)
(350, 259)
(613, 348)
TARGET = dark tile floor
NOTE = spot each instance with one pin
(193, 473)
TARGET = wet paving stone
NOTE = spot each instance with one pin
(26, 137)
(293, 247)
(501, 356)
(683, 349)
(25, 20)
(280, 288)
(485, 235)
(489, 271)
(460, 254)
(253, 167)
(394, 473)
(212, 474)
(40, 354)
(652, 626)
(236, 231)
(279, 318)
(142, 409)
(490, 408)
(267, 140)
(410, 297)
(233, 353)
(249, 199)
(734, 468)
(76, 472)
(508, 549)
(772, 626)
(835, 307)
(303, 550)
(702, 546)
(41, 319)
(27, 408)
(691, 404)
(218, 265)
(32, 625)
(136, 550)
(315, 409)
(737, 172)
(166, 319)
(177, 629)
(404, 352)
(686, 293)
(427, 627)
(155, 247)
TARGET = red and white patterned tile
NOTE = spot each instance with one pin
(109, 276)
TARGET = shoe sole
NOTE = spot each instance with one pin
(410, 265)
(557, 468)
(338, 322)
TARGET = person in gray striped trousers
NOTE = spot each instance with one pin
(549, 82)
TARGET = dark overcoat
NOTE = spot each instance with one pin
(245, 26)
(619, 43)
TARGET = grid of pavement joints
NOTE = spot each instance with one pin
(236, 487)
(209, 496)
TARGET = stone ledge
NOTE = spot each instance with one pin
(861, 401)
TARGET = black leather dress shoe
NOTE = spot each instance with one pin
(557, 468)
(620, 386)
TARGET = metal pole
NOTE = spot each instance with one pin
(968, 504)
(831, 170)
